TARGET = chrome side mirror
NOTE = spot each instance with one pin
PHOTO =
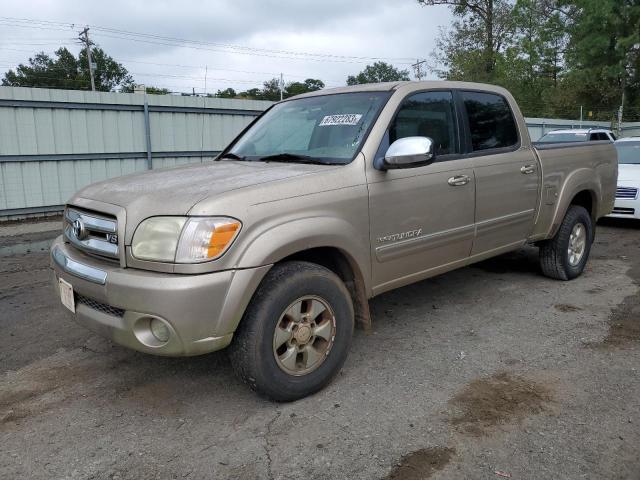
(410, 152)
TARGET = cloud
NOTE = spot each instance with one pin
(392, 30)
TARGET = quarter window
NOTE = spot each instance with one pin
(428, 114)
(490, 121)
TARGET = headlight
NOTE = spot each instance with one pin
(184, 239)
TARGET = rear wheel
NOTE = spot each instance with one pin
(296, 332)
(565, 255)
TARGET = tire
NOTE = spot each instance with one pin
(556, 260)
(254, 352)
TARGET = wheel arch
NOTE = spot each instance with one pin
(581, 188)
(346, 268)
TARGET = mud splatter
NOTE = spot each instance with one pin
(37, 390)
(624, 324)
(566, 307)
(501, 398)
(624, 320)
(421, 464)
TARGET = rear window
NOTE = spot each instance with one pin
(490, 121)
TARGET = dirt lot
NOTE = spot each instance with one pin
(491, 371)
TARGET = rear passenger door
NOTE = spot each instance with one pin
(506, 173)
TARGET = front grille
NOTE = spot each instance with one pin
(99, 306)
(624, 211)
(93, 233)
(627, 192)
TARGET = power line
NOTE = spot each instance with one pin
(200, 45)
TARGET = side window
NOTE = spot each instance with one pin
(428, 114)
(613, 137)
(490, 120)
(599, 136)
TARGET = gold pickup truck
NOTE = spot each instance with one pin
(326, 200)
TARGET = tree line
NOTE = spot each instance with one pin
(64, 70)
(553, 55)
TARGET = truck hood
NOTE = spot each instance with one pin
(175, 191)
(628, 172)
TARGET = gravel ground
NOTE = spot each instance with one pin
(491, 371)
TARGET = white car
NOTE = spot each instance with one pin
(627, 197)
(578, 135)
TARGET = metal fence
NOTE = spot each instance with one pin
(54, 142)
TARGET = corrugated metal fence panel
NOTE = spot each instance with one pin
(103, 125)
(631, 129)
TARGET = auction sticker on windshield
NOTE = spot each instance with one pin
(342, 119)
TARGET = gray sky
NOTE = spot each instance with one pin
(242, 42)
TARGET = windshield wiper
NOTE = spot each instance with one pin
(292, 158)
(232, 156)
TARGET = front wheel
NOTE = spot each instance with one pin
(296, 332)
(565, 255)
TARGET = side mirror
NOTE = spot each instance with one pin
(410, 152)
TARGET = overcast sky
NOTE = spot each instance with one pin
(242, 42)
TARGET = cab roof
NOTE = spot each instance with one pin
(390, 86)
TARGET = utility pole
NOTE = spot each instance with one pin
(621, 112)
(84, 36)
(281, 86)
(206, 69)
(417, 67)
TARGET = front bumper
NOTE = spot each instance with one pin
(201, 312)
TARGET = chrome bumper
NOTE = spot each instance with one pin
(201, 312)
(78, 269)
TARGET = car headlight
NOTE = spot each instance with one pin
(184, 239)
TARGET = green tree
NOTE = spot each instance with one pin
(603, 55)
(270, 90)
(297, 88)
(378, 72)
(226, 93)
(157, 91)
(477, 38)
(251, 94)
(67, 71)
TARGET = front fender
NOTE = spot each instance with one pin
(275, 242)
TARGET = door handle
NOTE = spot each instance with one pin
(458, 180)
(528, 169)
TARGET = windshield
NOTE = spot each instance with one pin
(327, 129)
(563, 137)
(628, 152)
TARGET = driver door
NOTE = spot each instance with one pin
(421, 218)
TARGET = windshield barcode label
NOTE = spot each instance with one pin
(344, 119)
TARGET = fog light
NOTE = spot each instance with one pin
(159, 330)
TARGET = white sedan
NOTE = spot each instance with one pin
(627, 198)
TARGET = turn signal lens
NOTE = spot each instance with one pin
(221, 237)
(206, 239)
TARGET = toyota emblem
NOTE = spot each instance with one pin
(78, 229)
